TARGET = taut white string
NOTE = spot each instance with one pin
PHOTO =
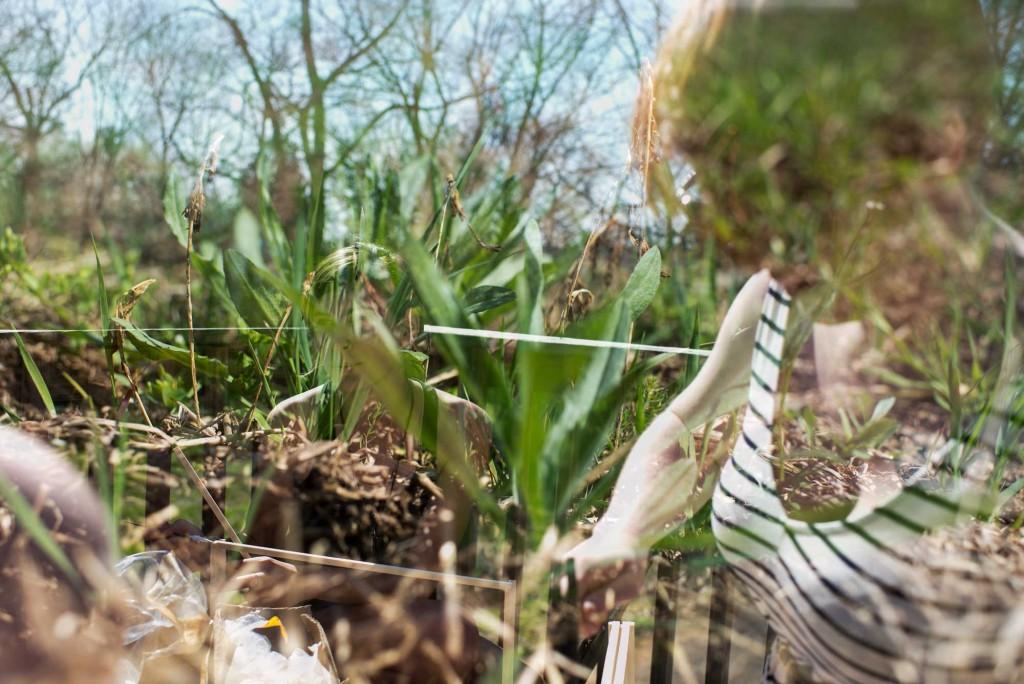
(434, 329)
(570, 341)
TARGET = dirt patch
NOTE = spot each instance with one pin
(86, 366)
(367, 499)
(365, 507)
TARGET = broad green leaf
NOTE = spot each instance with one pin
(429, 422)
(254, 301)
(882, 408)
(591, 433)
(161, 351)
(603, 370)
(643, 283)
(874, 433)
(173, 208)
(541, 375)
(1005, 496)
(354, 409)
(487, 297)
(480, 371)
(37, 377)
(414, 364)
(247, 236)
(505, 271)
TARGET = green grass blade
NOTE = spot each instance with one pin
(246, 283)
(603, 369)
(487, 297)
(101, 471)
(471, 157)
(268, 393)
(80, 390)
(34, 527)
(482, 373)
(104, 305)
(10, 414)
(37, 377)
(101, 289)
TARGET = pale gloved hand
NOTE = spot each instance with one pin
(661, 483)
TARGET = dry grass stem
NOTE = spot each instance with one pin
(123, 310)
(194, 214)
(306, 286)
(594, 236)
(645, 131)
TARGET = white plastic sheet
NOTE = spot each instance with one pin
(255, 662)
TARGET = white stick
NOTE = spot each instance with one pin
(571, 341)
(436, 329)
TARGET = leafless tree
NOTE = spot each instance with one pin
(1005, 20)
(46, 53)
(346, 33)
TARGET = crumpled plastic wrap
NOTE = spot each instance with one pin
(255, 662)
(169, 611)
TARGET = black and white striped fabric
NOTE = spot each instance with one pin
(852, 604)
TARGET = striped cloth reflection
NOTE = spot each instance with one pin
(845, 594)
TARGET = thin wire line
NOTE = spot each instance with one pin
(570, 341)
(435, 329)
(39, 331)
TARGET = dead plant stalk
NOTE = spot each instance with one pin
(191, 329)
(123, 310)
(194, 213)
(306, 286)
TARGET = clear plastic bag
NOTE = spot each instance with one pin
(253, 661)
(168, 602)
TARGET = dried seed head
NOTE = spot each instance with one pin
(580, 301)
(127, 301)
(194, 209)
(197, 200)
(643, 145)
(213, 154)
